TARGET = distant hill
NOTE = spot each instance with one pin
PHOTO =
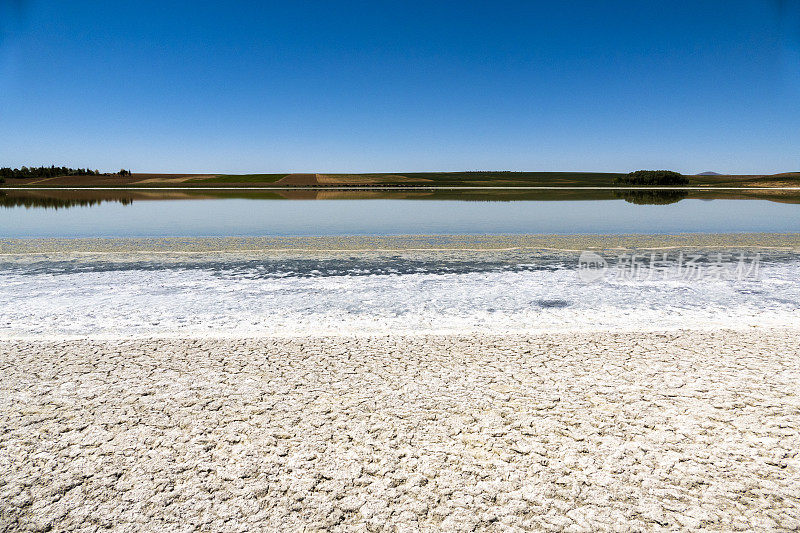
(708, 173)
(787, 175)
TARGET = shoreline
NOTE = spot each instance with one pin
(414, 285)
(409, 335)
(394, 243)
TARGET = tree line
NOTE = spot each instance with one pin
(51, 172)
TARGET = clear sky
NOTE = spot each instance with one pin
(192, 86)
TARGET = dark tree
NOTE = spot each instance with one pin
(652, 178)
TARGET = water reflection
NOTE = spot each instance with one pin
(651, 197)
(54, 203)
(65, 199)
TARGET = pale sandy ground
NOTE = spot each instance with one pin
(579, 432)
(87, 247)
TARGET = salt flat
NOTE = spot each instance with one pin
(373, 286)
(582, 431)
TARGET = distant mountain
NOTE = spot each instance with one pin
(709, 173)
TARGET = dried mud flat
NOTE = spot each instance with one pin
(580, 432)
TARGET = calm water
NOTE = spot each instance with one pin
(245, 217)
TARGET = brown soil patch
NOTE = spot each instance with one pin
(169, 179)
(302, 180)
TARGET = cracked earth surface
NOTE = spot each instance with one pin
(574, 432)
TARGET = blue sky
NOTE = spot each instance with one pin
(401, 86)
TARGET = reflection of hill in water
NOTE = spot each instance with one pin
(651, 197)
(45, 202)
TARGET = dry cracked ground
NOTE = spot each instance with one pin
(580, 432)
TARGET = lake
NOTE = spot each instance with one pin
(259, 217)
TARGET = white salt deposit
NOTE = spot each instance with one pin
(232, 302)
